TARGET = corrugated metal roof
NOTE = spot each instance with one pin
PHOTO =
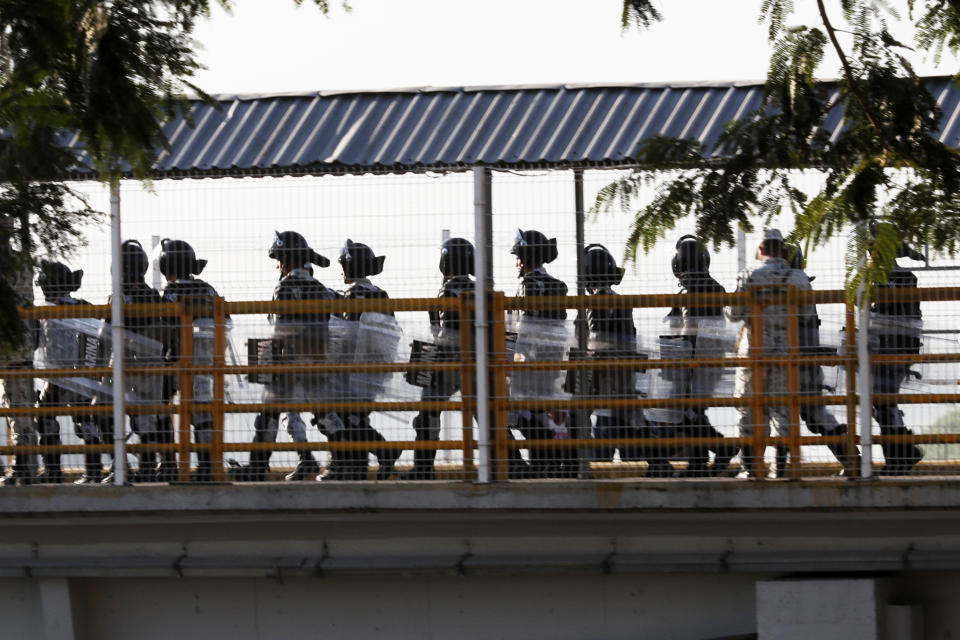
(452, 128)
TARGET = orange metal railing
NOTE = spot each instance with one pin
(500, 401)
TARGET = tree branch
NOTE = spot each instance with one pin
(848, 72)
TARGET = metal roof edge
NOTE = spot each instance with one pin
(549, 86)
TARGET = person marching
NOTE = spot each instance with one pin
(895, 329)
(60, 340)
(179, 265)
(533, 250)
(691, 267)
(298, 337)
(359, 263)
(151, 429)
(456, 265)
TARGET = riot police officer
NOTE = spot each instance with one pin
(699, 327)
(359, 263)
(456, 265)
(62, 342)
(533, 250)
(895, 328)
(150, 429)
(612, 336)
(298, 337)
(180, 266)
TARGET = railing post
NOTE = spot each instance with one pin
(116, 333)
(219, 388)
(185, 378)
(467, 393)
(865, 385)
(482, 216)
(758, 406)
(851, 378)
(793, 381)
(503, 453)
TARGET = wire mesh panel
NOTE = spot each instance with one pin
(324, 328)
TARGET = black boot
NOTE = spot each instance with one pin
(92, 469)
(386, 463)
(255, 471)
(781, 469)
(721, 461)
(422, 466)
(307, 468)
(167, 469)
(204, 470)
(52, 472)
(338, 468)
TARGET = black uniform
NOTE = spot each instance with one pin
(535, 425)
(85, 427)
(613, 335)
(177, 291)
(357, 423)
(701, 381)
(301, 337)
(895, 330)
(446, 327)
(150, 429)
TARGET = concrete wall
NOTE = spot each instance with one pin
(663, 606)
(678, 606)
(536, 560)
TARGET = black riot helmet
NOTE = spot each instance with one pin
(456, 257)
(600, 267)
(56, 279)
(691, 257)
(292, 250)
(133, 261)
(177, 259)
(532, 247)
(359, 261)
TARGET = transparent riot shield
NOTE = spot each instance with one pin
(299, 342)
(138, 350)
(203, 353)
(715, 338)
(673, 382)
(612, 383)
(539, 340)
(378, 336)
(71, 343)
(341, 348)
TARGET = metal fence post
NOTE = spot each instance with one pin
(219, 389)
(481, 214)
(864, 385)
(116, 325)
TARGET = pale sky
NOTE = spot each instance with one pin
(268, 46)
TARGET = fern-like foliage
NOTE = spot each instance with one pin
(888, 146)
(111, 72)
(639, 13)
